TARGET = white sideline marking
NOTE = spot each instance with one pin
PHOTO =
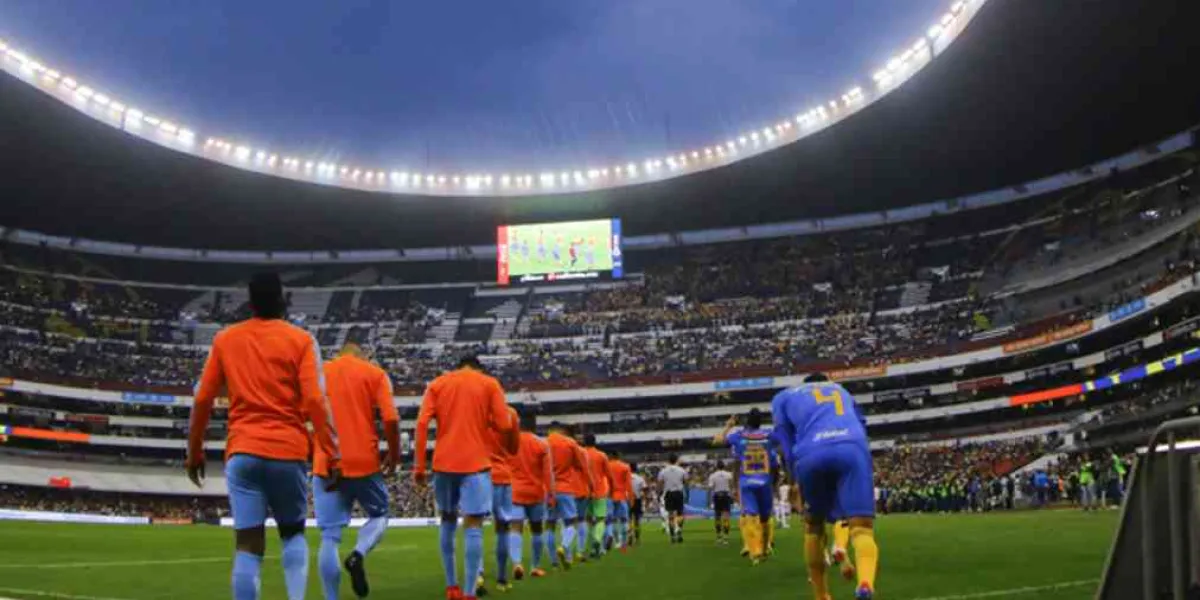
(1016, 591)
(41, 594)
(175, 561)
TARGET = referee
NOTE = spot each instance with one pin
(720, 486)
(637, 511)
(672, 479)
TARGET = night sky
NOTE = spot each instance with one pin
(469, 84)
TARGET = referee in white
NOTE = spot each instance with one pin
(673, 481)
(720, 485)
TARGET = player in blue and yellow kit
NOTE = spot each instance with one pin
(752, 448)
(825, 445)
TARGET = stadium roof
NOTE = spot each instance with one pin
(1029, 89)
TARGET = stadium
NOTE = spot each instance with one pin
(994, 246)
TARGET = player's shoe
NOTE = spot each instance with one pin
(537, 573)
(454, 593)
(503, 586)
(745, 552)
(480, 588)
(358, 574)
(518, 573)
(608, 543)
(864, 592)
(561, 553)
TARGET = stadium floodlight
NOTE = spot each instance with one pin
(487, 180)
(604, 172)
(168, 127)
(242, 153)
(69, 83)
(934, 31)
(308, 165)
(260, 156)
(272, 159)
(187, 136)
(454, 180)
(152, 120)
(100, 100)
(958, 6)
(895, 64)
(947, 19)
(51, 74)
(920, 45)
(35, 66)
(441, 180)
(908, 54)
(742, 140)
(116, 107)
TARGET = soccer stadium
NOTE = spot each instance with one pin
(988, 252)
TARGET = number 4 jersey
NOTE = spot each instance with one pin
(752, 449)
(816, 414)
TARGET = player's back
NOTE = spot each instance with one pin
(528, 468)
(564, 452)
(263, 362)
(818, 414)
(501, 458)
(468, 406)
(598, 463)
(622, 480)
(752, 449)
(356, 390)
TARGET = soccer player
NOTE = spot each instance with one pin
(622, 489)
(751, 447)
(570, 465)
(357, 389)
(469, 408)
(271, 372)
(637, 511)
(673, 481)
(830, 461)
(502, 509)
(783, 506)
(585, 487)
(720, 486)
(601, 490)
(533, 487)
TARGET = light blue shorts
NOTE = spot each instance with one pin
(333, 508)
(469, 493)
(502, 503)
(258, 485)
(534, 513)
(620, 511)
(564, 507)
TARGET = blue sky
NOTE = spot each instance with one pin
(470, 84)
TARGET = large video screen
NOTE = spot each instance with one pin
(558, 251)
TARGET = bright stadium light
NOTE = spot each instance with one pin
(934, 31)
(958, 6)
(947, 19)
(241, 153)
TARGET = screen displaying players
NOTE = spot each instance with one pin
(558, 251)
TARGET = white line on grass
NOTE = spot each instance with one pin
(40, 594)
(163, 562)
(1016, 591)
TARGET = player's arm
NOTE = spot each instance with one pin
(421, 436)
(721, 438)
(212, 381)
(582, 458)
(391, 422)
(608, 476)
(316, 405)
(548, 469)
(783, 431)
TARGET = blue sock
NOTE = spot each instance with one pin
(246, 567)
(568, 539)
(552, 546)
(536, 540)
(370, 534)
(294, 559)
(515, 541)
(502, 555)
(608, 531)
(446, 540)
(328, 563)
(473, 540)
(582, 537)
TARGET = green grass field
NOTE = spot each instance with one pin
(1051, 555)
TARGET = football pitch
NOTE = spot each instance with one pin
(1053, 555)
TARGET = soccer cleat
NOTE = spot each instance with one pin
(358, 575)
(864, 592)
(562, 558)
(503, 586)
(537, 573)
(480, 588)
(518, 573)
(454, 593)
(745, 552)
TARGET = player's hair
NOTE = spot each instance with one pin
(633, 467)
(560, 426)
(589, 439)
(816, 378)
(673, 458)
(613, 454)
(528, 416)
(470, 361)
(266, 296)
(754, 419)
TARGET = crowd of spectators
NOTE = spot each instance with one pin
(953, 478)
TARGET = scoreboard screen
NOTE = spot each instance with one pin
(566, 251)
